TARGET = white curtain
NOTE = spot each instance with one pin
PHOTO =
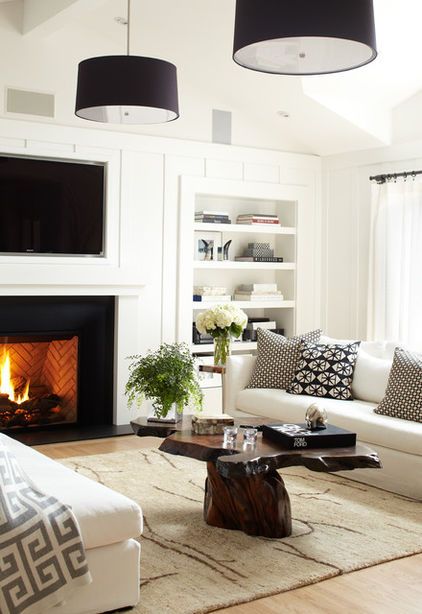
(395, 263)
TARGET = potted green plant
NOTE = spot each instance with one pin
(168, 378)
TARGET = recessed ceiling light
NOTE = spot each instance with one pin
(283, 113)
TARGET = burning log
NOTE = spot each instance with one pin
(37, 410)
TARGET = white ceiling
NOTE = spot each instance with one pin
(329, 114)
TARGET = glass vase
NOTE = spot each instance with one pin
(222, 349)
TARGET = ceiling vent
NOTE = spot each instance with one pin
(27, 102)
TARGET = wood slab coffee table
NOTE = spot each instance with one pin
(243, 489)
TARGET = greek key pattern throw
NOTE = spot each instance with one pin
(403, 397)
(42, 558)
(326, 370)
(277, 358)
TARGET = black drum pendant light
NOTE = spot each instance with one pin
(304, 37)
(127, 89)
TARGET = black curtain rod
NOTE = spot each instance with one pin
(393, 176)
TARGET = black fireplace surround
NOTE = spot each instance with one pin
(91, 318)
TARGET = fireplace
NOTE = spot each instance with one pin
(56, 365)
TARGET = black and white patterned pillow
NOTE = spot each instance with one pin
(403, 397)
(325, 370)
(277, 358)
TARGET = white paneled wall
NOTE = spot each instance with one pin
(143, 217)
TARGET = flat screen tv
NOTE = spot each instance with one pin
(51, 206)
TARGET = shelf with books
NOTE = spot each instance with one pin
(226, 265)
(245, 228)
(261, 304)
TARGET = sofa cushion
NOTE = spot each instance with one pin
(370, 377)
(277, 359)
(104, 516)
(356, 416)
(325, 370)
(403, 397)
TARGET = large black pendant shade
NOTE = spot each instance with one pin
(304, 37)
(127, 89)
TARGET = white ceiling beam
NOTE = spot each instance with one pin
(46, 16)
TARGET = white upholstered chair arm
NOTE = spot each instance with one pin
(238, 373)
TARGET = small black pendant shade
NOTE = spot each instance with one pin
(127, 89)
(304, 37)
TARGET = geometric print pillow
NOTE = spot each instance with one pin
(277, 358)
(403, 397)
(326, 370)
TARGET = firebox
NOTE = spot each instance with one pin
(38, 380)
(56, 362)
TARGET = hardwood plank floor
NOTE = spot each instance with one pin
(390, 588)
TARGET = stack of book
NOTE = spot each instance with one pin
(250, 332)
(259, 252)
(211, 294)
(258, 292)
(212, 217)
(258, 218)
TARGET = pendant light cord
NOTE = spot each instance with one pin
(128, 28)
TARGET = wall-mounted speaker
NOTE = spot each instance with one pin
(27, 102)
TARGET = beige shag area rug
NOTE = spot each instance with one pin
(188, 567)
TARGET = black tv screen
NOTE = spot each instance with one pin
(51, 206)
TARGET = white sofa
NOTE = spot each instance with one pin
(109, 523)
(398, 442)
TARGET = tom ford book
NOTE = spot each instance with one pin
(298, 436)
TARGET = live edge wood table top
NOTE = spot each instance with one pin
(243, 489)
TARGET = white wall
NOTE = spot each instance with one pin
(345, 231)
(144, 175)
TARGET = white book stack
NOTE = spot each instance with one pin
(258, 292)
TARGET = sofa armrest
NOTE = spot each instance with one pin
(238, 373)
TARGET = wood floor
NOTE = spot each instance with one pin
(390, 588)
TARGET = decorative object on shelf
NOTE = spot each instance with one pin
(127, 89)
(212, 217)
(296, 436)
(200, 338)
(316, 417)
(222, 322)
(206, 246)
(226, 248)
(310, 37)
(166, 377)
(257, 219)
(211, 425)
(259, 252)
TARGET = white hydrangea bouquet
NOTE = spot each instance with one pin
(222, 322)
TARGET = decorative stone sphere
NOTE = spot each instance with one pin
(316, 417)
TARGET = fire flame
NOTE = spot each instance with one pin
(6, 386)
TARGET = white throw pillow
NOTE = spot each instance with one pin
(370, 377)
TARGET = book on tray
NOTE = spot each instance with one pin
(212, 217)
(258, 297)
(298, 436)
(259, 259)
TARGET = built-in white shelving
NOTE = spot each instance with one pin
(225, 265)
(271, 304)
(246, 228)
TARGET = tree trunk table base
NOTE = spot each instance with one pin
(256, 505)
